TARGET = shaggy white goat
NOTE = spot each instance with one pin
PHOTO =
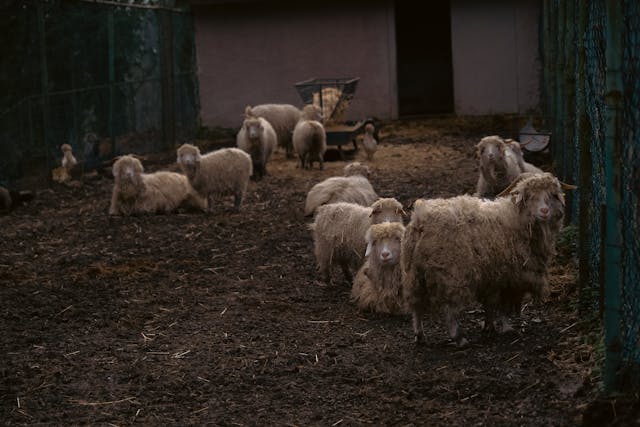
(351, 189)
(218, 173)
(516, 149)
(378, 285)
(458, 250)
(283, 118)
(135, 192)
(339, 233)
(357, 168)
(258, 139)
(498, 166)
(310, 142)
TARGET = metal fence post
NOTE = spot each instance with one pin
(560, 135)
(583, 131)
(613, 242)
(546, 47)
(569, 103)
(165, 21)
(112, 77)
(44, 78)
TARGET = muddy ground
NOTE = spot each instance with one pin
(220, 319)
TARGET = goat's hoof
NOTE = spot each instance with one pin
(462, 342)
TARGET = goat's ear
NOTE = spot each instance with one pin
(369, 249)
(115, 169)
(561, 198)
(517, 198)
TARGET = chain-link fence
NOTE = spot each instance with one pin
(104, 78)
(630, 156)
(597, 145)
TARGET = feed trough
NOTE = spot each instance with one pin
(333, 96)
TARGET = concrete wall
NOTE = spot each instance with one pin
(254, 53)
(496, 65)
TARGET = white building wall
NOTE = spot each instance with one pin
(496, 66)
(254, 53)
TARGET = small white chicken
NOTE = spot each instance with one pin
(369, 141)
(68, 160)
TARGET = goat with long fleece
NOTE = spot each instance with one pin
(464, 249)
(378, 285)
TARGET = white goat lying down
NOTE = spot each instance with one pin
(136, 192)
(378, 285)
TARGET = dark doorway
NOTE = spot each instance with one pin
(423, 43)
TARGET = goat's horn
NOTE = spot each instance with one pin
(566, 186)
(522, 144)
(514, 183)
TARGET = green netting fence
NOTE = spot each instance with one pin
(591, 87)
(105, 77)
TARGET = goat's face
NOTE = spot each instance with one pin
(311, 112)
(384, 242)
(127, 168)
(65, 148)
(127, 171)
(386, 210)
(491, 149)
(385, 251)
(357, 168)
(541, 195)
(253, 127)
(189, 159)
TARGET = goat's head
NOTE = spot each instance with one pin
(127, 171)
(491, 149)
(387, 210)
(189, 159)
(384, 242)
(539, 195)
(311, 112)
(357, 168)
(253, 127)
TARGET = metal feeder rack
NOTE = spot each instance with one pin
(333, 96)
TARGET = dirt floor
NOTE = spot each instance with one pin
(220, 319)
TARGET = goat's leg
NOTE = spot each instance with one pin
(455, 331)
